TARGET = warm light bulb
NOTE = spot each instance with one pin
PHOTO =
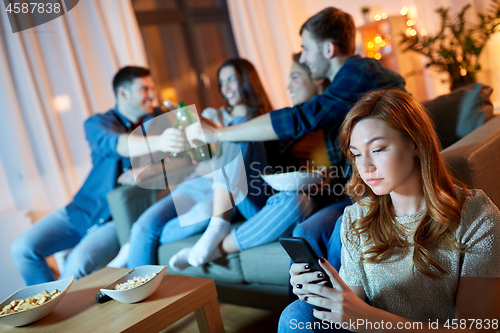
(370, 54)
(378, 39)
(378, 56)
(377, 17)
(409, 23)
(370, 44)
(404, 10)
(413, 32)
(62, 103)
(382, 44)
(463, 71)
(384, 16)
(423, 32)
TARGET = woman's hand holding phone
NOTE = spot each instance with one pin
(300, 275)
(342, 304)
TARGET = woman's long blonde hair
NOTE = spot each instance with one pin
(442, 213)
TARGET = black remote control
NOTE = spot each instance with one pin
(101, 298)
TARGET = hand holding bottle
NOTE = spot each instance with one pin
(171, 140)
(202, 131)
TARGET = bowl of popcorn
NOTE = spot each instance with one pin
(136, 285)
(33, 303)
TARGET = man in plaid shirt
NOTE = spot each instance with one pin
(328, 43)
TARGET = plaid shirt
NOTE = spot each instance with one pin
(356, 77)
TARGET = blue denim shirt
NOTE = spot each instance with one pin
(90, 205)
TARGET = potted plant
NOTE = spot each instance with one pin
(366, 14)
(456, 47)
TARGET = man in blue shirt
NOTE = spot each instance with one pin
(85, 224)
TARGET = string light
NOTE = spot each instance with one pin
(378, 46)
(404, 10)
(378, 17)
(384, 16)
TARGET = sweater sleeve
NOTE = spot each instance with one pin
(351, 270)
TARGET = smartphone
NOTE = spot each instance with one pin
(300, 251)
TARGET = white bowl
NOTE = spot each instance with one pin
(293, 181)
(139, 293)
(29, 316)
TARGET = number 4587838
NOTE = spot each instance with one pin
(33, 7)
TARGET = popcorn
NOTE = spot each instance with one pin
(135, 282)
(30, 302)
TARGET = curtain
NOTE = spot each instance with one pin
(54, 76)
(265, 36)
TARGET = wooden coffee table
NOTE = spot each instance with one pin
(176, 297)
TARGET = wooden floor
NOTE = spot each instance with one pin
(236, 319)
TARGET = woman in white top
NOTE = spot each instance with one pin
(418, 252)
(188, 209)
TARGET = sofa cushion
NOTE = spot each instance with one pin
(474, 160)
(227, 269)
(460, 112)
(266, 264)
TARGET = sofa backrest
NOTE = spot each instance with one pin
(475, 159)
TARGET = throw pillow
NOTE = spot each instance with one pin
(460, 112)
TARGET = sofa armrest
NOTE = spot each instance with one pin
(474, 159)
(128, 202)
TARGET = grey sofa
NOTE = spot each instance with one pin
(258, 277)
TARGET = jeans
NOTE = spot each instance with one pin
(298, 317)
(322, 230)
(159, 224)
(192, 201)
(323, 235)
(92, 249)
(282, 212)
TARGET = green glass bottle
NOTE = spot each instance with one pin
(184, 118)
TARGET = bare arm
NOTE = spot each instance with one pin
(257, 129)
(171, 140)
